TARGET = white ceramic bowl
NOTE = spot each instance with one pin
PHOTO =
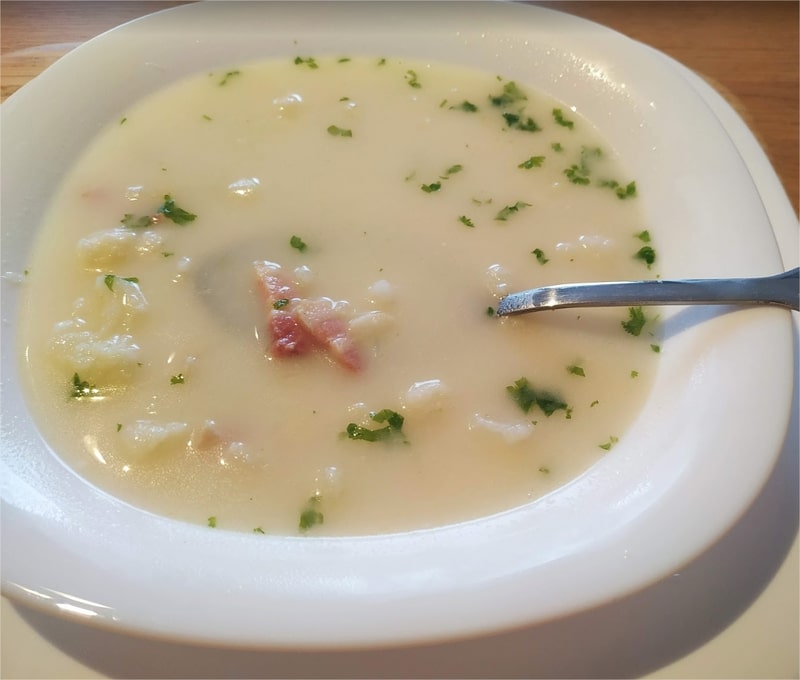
(694, 460)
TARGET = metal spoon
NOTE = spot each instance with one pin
(780, 289)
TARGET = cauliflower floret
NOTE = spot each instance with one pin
(425, 396)
(145, 436)
(370, 326)
(82, 350)
(510, 432)
(101, 250)
(382, 293)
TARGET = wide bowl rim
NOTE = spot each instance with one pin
(490, 586)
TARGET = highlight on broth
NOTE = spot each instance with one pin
(263, 299)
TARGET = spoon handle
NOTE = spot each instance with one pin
(780, 289)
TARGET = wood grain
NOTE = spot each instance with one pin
(747, 50)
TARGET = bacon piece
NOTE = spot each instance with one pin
(273, 284)
(329, 329)
(298, 324)
(288, 337)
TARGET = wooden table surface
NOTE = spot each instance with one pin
(747, 50)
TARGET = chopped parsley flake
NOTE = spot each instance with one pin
(466, 221)
(511, 94)
(509, 210)
(207, 117)
(259, 530)
(307, 61)
(298, 244)
(540, 256)
(576, 370)
(556, 146)
(172, 212)
(453, 169)
(81, 389)
(656, 348)
(311, 515)
(636, 321)
(109, 280)
(634, 374)
(544, 470)
(647, 255)
(628, 191)
(278, 304)
(469, 107)
(644, 236)
(393, 428)
(228, 76)
(132, 222)
(411, 77)
(609, 444)
(178, 379)
(119, 426)
(558, 116)
(336, 131)
(167, 253)
(576, 175)
(532, 162)
(517, 122)
(490, 311)
(343, 60)
(594, 403)
(432, 187)
(212, 521)
(526, 397)
(123, 120)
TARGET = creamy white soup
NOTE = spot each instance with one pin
(263, 299)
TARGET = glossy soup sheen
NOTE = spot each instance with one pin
(262, 299)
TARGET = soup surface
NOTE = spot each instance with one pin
(263, 299)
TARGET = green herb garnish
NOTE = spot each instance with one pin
(510, 95)
(132, 222)
(431, 188)
(469, 107)
(540, 256)
(558, 116)
(636, 321)
(609, 444)
(393, 428)
(109, 280)
(517, 122)
(532, 162)
(647, 255)
(336, 131)
(576, 370)
(307, 61)
(509, 210)
(311, 515)
(178, 379)
(228, 76)
(81, 389)
(298, 244)
(526, 397)
(466, 221)
(172, 212)
(411, 77)
(212, 521)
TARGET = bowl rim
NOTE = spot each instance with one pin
(451, 593)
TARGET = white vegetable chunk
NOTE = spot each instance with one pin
(103, 249)
(145, 436)
(81, 350)
(511, 433)
(425, 396)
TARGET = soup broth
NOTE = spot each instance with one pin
(263, 299)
